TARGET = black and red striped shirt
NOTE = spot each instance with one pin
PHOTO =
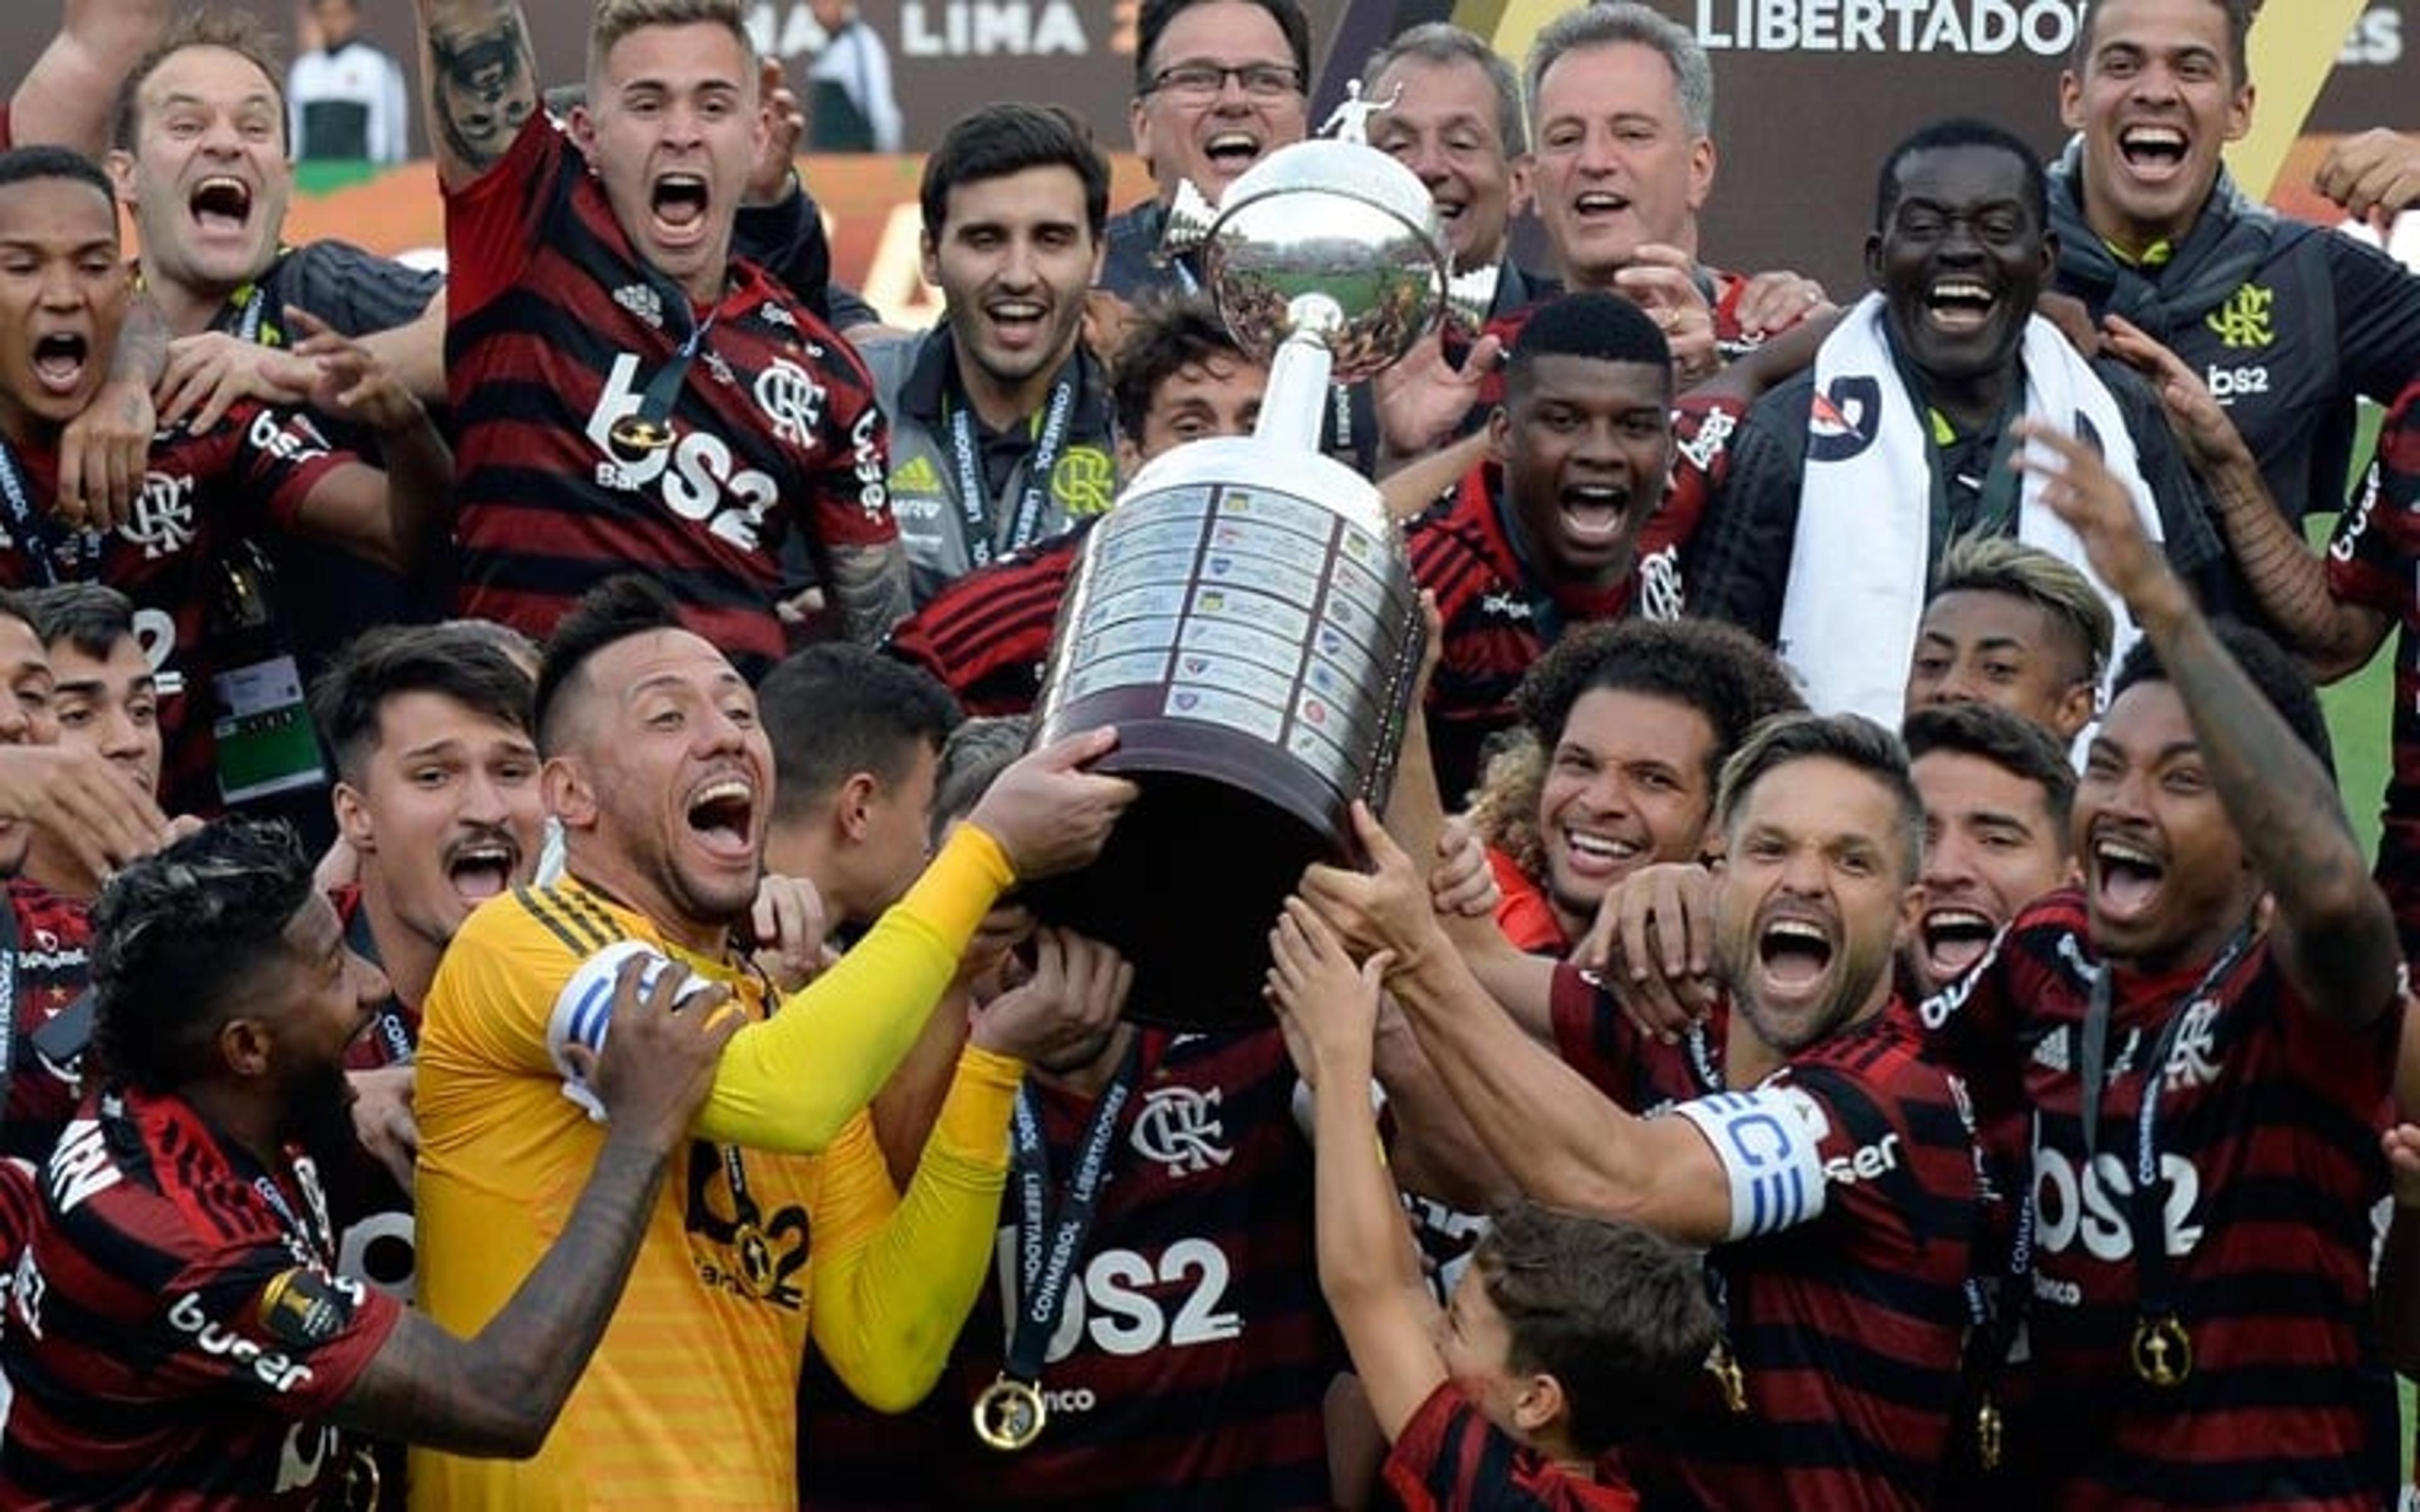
(54, 936)
(2268, 1133)
(201, 493)
(987, 635)
(1450, 1459)
(555, 327)
(1500, 617)
(1194, 1352)
(176, 1335)
(2373, 560)
(1847, 1329)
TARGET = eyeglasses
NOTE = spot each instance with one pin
(1203, 81)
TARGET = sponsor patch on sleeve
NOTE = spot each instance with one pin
(304, 1308)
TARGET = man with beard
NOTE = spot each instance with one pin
(1809, 1142)
(1818, 541)
(1000, 417)
(627, 390)
(180, 1334)
(2287, 323)
(2217, 1004)
(2010, 624)
(659, 771)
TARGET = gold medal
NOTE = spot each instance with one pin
(635, 435)
(2162, 1351)
(755, 1260)
(1009, 1414)
(1987, 1434)
(362, 1481)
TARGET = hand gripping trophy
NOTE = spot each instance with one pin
(1246, 614)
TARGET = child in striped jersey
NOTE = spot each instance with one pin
(1562, 1332)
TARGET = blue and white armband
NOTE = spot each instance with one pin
(1769, 1143)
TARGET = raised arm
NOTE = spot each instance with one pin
(498, 1394)
(68, 95)
(2335, 936)
(2287, 579)
(1367, 1267)
(481, 78)
(1560, 1139)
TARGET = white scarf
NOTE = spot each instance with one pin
(1857, 586)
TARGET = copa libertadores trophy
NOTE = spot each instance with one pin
(1246, 614)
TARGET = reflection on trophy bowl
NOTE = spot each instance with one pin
(1254, 642)
(1330, 237)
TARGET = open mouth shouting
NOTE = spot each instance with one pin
(1794, 953)
(61, 360)
(221, 206)
(2126, 877)
(2153, 154)
(482, 867)
(1954, 938)
(1595, 516)
(722, 814)
(679, 202)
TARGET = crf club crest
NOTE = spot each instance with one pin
(1840, 422)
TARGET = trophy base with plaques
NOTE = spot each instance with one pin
(1255, 645)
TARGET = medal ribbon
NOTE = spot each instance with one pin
(1043, 1274)
(2155, 1309)
(974, 496)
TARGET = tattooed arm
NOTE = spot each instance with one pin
(2334, 935)
(870, 585)
(482, 82)
(498, 1394)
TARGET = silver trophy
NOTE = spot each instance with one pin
(1245, 613)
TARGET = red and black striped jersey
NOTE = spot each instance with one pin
(371, 1213)
(556, 326)
(200, 492)
(1499, 617)
(987, 635)
(176, 1335)
(2267, 1128)
(2372, 560)
(1194, 1352)
(1848, 1328)
(54, 936)
(1450, 1459)
(1598, 1040)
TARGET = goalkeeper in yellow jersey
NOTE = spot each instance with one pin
(780, 1222)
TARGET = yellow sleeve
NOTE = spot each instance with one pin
(889, 1301)
(791, 1082)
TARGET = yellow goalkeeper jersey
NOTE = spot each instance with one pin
(690, 1399)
